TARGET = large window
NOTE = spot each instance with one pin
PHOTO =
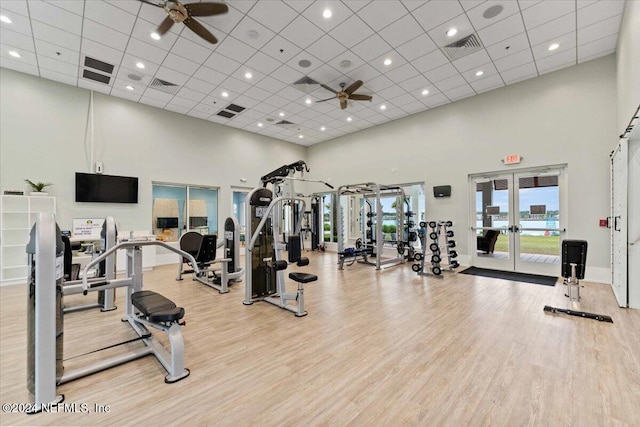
(327, 206)
(178, 208)
(239, 209)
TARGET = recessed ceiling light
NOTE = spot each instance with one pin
(304, 63)
(387, 61)
(308, 101)
(281, 114)
(140, 65)
(260, 125)
(452, 32)
(155, 36)
(349, 119)
(129, 87)
(248, 75)
(383, 107)
(327, 13)
(554, 46)
(134, 77)
(323, 128)
(300, 136)
(5, 19)
(479, 73)
(14, 54)
(425, 92)
(225, 94)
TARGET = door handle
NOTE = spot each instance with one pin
(608, 222)
(615, 223)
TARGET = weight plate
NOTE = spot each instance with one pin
(433, 235)
(415, 267)
(432, 224)
(418, 257)
(423, 224)
(436, 270)
(434, 247)
(452, 243)
(435, 258)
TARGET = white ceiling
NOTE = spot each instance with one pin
(54, 36)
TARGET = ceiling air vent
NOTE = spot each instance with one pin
(462, 47)
(164, 86)
(306, 84)
(226, 114)
(96, 77)
(98, 65)
(285, 124)
(234, 107)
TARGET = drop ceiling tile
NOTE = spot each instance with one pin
(597, 48)
(76, 7)
(436, 100)
(326, 48)
(235, 49)
(281, 49)
(436, 13)
(552, 29)
(396, 61)
(566, 42)
(142, 31)
(94, 86)
(235, 85)
(246, 29)
(272, 85)
(390, 92)
(599, 11)
(515, 60)
(55, 35)
(488, 70)
(546, 11)
(264, 63)
(274, 15)
(607, 27)
(487, 84)
(514, 44)
(526, 4)
(502, 30)
(199, 114)
(290, 93)
(430, 61)
(460, 92)
(352, 31)
(209, 76)
(16, 40)
(145, 51)
(105, 35)
(222, 64)
(59, 77)
(476, 15)
(471, 61)
(17, 6)
(451, 83)
(584, 58)
(17, 65)
(414, 107)
(190, 94)
(378, 15)
(400, 101)
(257, 93)
(176, 108)
(26, 56)
(133, 77)
(355, 60)
(214, 118)
(199, 85)
(379, 83)
(172, 76)
(250, 112)
(304, 55)
(415, 84)
(183, 102)
(299, 5)
(402, 73)
(180, 64)
(58, 66)
(443, 72)
(301, 32)
(65, 20)
(557, 61)
(276, 101)
(371, 47)
(339, 12)
(157, 95)
(117, 18)
(125, 94)
(20, 24)
(111, 56)
(287, 74)
(401, 31)
(523, 72)
(190, 50)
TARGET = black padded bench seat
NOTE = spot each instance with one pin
(155, 307)
(302, 277)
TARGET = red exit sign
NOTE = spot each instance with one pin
(512, 159)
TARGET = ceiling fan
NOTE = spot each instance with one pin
(184, 13)
(347, 94)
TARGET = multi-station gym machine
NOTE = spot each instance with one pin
(274, 220)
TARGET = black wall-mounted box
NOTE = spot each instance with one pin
(442, 191)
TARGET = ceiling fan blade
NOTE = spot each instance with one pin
(151, 3)
(357, 97)
(197, 28)
(328, 88)
(328, 99)
(354, 86)
(206, 9)
(343, 104)
(165, 25)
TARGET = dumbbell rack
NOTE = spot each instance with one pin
(430, 238)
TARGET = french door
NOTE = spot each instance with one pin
(517, 220)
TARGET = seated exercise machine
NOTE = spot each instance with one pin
(265, 265)
(203, 249)
(574, 259)
(107, 270)
(46, 317)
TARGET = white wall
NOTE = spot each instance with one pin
(565, 117)
(628, 64)
(42, 137)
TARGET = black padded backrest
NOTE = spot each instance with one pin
(574, 252)
(190, 242)
(207, 250)
(294, 247)
(68, 257)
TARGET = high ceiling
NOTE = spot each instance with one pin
(273, 39)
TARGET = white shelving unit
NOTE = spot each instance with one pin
(17, 216)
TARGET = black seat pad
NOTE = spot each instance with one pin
(302, 277)
(156, 307)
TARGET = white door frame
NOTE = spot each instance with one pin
(618, 225)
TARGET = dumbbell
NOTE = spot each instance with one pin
(433, 224)
(370, 214)
(369, 224)
(449, 224)
(454, 264)
(409, 214)
(435, 259)
(436, 270)
(451, 243)
(423, 224)
(434, 247)
(416, 267)
(400, 247)
(453, 254)
(418, 257)
(433, 235)
(450, 233)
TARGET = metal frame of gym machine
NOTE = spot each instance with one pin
(48, 273)
(371, 190)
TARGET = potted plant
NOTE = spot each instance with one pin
(37, 187)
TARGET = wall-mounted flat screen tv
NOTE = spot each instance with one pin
(106, 188)
(198, 221)
(167, 222)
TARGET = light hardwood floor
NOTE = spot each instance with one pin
(377, 348)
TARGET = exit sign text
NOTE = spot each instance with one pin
(512, 159)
